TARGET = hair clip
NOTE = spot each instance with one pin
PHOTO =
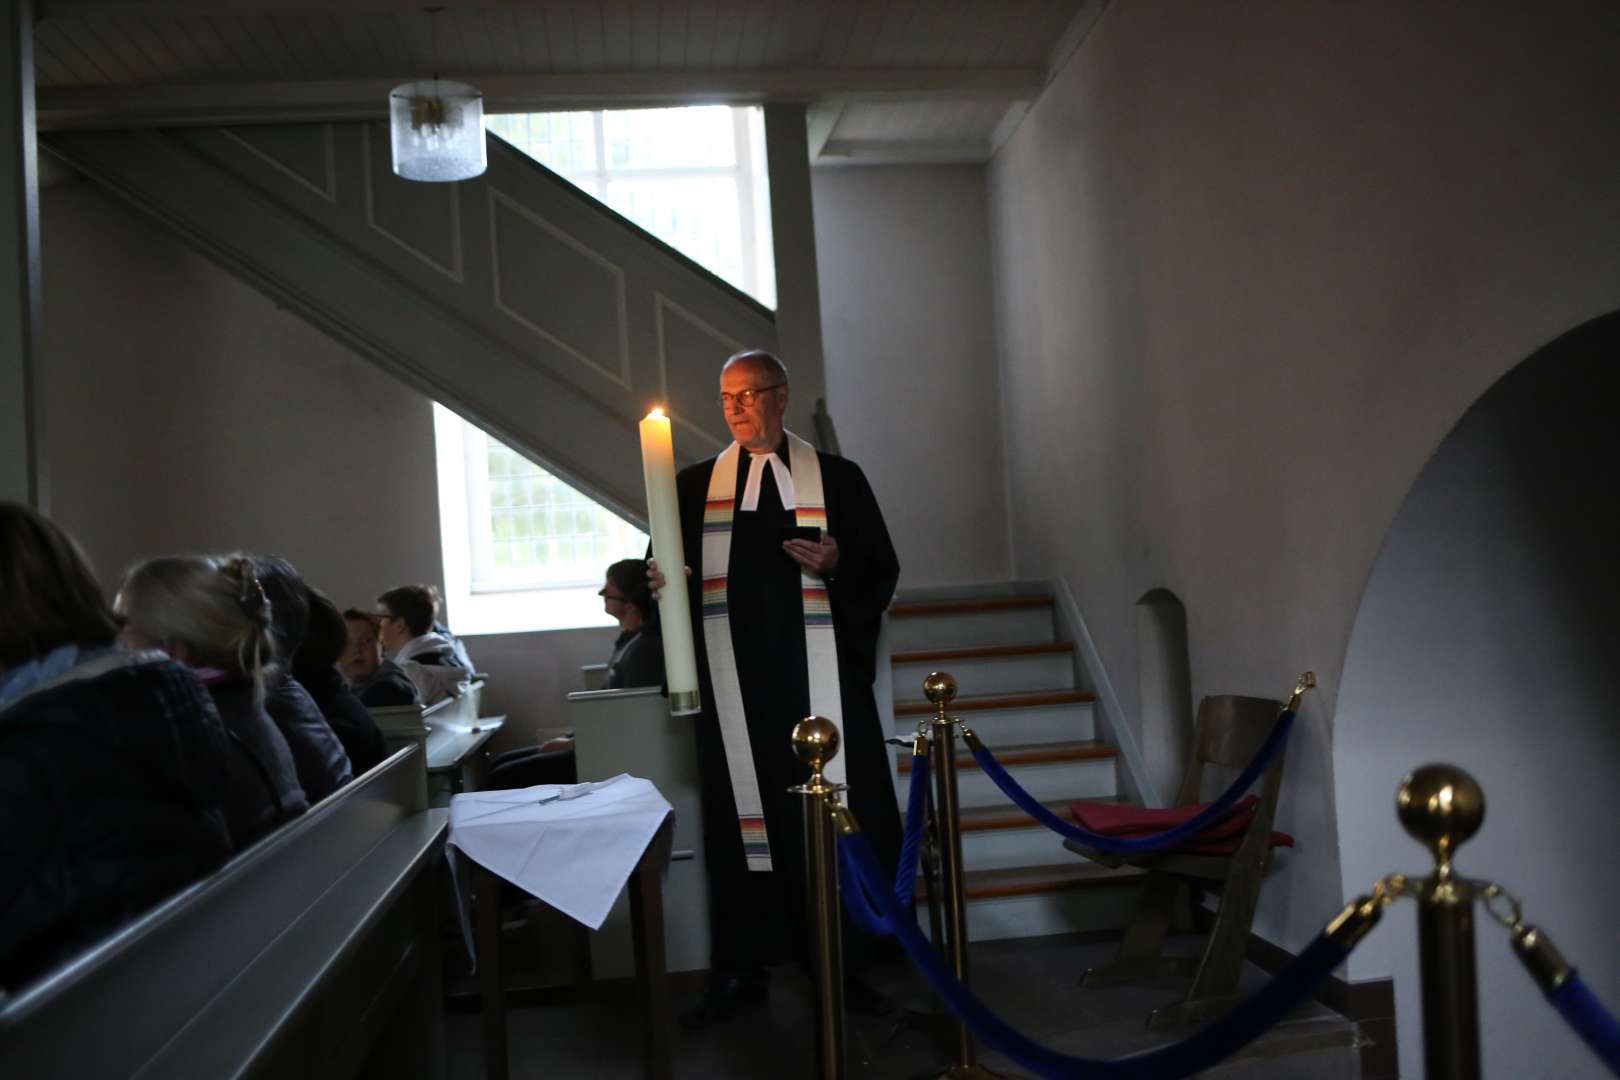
(250, 598)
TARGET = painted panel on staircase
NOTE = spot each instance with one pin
(513, 298)
(424, 220)
(686, 346)
(302, 153)
(571, 299)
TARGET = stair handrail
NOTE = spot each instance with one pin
(1119, 726)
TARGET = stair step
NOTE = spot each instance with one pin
(915, 608)
(1077, 769)
(1047, 878)
(1062, 721)
(1051, 753)
(998, 701)
(929, 625)
(996, 836)
(1008, 816)
(982, 652)
(1049, 899)
(988, 669)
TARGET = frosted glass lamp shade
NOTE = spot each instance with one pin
(437, 129)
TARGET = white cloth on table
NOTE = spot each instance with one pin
(571, 845)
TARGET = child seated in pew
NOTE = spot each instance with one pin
(405, 628)
(323, 765)
(375, 681)
(213, 616)
(457, 646)
(113, 764)
(314, 665)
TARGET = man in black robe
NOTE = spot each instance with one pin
(757, 917)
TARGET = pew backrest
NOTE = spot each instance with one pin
(631, 731)
(295, 958)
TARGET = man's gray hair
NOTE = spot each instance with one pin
(764, 359)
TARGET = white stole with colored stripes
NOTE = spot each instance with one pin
(820, 647)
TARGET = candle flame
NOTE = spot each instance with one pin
(657, 413)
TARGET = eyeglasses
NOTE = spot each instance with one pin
(745, 398)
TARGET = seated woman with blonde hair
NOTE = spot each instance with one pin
(212, 615)
(112, 763)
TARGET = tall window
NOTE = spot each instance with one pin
(522, 549)
(693, 177)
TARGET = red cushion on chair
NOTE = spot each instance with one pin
(1221, 838)
(1118, 819)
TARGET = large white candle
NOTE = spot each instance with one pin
(664, 520)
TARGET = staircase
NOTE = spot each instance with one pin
(514, 298)
(1022, 690)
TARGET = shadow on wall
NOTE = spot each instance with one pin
(1164, 687)
(1488, 636)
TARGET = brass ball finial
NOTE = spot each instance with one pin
(939, 687)
(1440, 806)
(815, 740)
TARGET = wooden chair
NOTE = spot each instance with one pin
(1230, 731)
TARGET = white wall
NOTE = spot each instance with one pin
(909, 332)
(189, 413)
(1252, 262)
(192, 414)
(533, 675)
(1486, 639)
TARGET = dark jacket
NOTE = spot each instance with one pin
(112, 780)
(388, 685)
(354, 727)
(637, 660)
(323, 765)
(264, 789)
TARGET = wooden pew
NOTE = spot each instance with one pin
(631, 731)
(595, 676)
(451, 734)
(314, 953)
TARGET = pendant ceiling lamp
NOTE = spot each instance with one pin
(437, 127)
(437, 130)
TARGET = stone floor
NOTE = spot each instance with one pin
(1031, 983)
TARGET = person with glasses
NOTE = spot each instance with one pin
(794, 567)
(405, 627)
(637, 660)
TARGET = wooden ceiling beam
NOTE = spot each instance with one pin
(61, 108)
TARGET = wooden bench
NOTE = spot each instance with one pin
(314, 953)
(451, 734)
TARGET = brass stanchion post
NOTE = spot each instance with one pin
(815, 740)
(1441, 806)
(940, 688)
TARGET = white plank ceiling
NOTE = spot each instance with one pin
(886, 79)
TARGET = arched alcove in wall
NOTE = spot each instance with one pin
(1164, 687)
(1489, 636)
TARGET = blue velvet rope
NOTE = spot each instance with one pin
(1201, 1050)
(856, 902)
(1158, 841)
(1581, 1009)
(905, 882)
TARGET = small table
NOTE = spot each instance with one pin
(652, 980)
